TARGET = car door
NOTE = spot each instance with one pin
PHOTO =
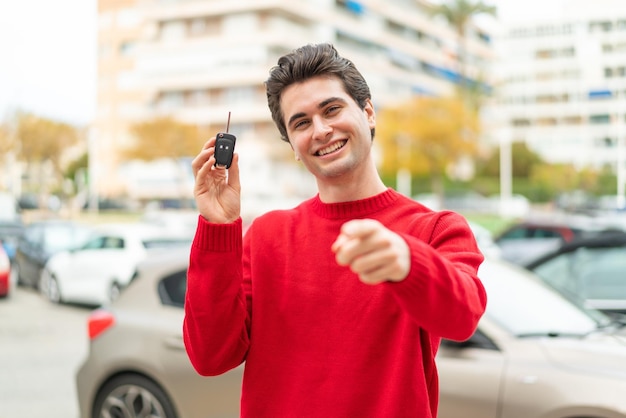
(29, 252)
(219, 395)
(99, 261)
(470, 374)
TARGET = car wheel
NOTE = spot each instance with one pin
(18, 275)
(132, 396)
(53, 290)
(13, 275)
(114, 292)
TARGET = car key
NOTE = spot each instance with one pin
(224, 147)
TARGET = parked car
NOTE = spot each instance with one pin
(97, 272)
(10, 232)
(42, 239)
(535, 354)
(484, 239)
(530, 238)
(137, 365)
(589, 271)
(5, 273)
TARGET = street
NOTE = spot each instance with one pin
(41, 347)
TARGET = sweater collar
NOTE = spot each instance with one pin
(356, 208)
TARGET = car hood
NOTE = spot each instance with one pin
(603, 354)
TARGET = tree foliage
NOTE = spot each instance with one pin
(523, 161)
(426, 136)
(43, 140)
(164, 137)
(459, 13)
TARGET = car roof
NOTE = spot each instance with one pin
(553, 220)
(139, 229)
(158, 264)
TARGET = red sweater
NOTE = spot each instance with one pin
(316, 341)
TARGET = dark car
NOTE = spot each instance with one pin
(589, 271)
(10, 232)
(526, 240)
(42, 239)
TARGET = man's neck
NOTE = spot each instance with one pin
(349, 189)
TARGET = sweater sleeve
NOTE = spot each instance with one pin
(442, 291)
(216, 323)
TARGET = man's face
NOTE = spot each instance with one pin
(327, 129)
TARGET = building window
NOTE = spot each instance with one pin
(172, 30)
(520, 122)
(198, 98)
(604, 26)
(544, 54)
(602, 119)
(352, 6)
(170, 100)
(127, 48)
(546, 122)
(573, 120)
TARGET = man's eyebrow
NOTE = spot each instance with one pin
(321, 105)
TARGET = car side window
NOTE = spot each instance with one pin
(514, 233)
(113, 242)
(94, 244)
(478, 340)
(172, 289)
(603, 275)
(546, 233)
(33, 236)
(560, 273)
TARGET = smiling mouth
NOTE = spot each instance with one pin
(332, 148)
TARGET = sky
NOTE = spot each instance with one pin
(48, 58)
(48, 54)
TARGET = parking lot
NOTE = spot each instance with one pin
(41, 347)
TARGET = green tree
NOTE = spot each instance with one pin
(426, 136)
(553, 179)
(523, 161)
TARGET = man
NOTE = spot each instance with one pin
(337, 306)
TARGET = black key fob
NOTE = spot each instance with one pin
(224, 148)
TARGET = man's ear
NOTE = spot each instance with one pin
(297, 157)
(370, 112)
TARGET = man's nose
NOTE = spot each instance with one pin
(321, 128)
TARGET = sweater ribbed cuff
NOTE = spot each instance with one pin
(218, 237)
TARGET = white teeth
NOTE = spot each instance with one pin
(333, 147)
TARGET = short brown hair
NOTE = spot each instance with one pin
(307, 62)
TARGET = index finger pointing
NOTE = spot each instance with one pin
(359, 228)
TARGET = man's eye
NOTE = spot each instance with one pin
(333, 109)
(300, 124)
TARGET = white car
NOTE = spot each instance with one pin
(97, 272)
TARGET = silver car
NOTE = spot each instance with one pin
(137, 365)
(535, 355)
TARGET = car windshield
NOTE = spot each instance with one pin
(525, 306)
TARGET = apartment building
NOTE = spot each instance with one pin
(561, 85)
(197, 60)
